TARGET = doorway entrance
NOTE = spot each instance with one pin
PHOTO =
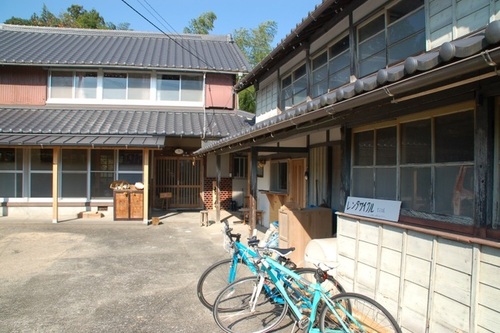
(180, 176)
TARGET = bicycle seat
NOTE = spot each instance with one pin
(281, 252)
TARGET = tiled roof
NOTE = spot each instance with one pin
(128, 141)
(467, 56)
(118, 48)
(114, 125)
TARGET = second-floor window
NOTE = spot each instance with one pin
(179, 88)
(331, 69)
(123, 87)
(394, 35)
(294, 88)
(267, 98)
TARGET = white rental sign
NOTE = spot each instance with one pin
(375, 208)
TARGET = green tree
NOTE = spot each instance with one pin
(256, 43)
(74, 17)
(202, 25)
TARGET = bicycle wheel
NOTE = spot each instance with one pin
(365, 315)
(217, 277)
(233, 312)
(302, 296)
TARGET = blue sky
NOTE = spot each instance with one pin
(231, 14)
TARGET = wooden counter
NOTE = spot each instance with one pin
(276, 200)
(298, 226)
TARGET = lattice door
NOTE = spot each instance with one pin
(180, 176)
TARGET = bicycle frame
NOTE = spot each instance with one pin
(240, 252)
(274, 271)
(245, 254)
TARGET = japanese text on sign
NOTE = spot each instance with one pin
(375, 208)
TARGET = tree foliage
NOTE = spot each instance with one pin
(74, 17)
(256, 45)
(202, 25)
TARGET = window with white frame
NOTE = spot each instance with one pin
(114, 86)
(294, 88)
(392, 36)
(191, 88)
(138, 86)
(267, 98)
(85, 85)
(435, 167)
(11, 172)
(186, 88)
(122, 87)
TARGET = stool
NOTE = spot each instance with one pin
(246, 215)
(259, 216)
(204, 218)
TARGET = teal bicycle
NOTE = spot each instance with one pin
(259, 304)
(242, 264)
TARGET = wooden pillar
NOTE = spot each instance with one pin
(345, 173)
(145, 172)
(253, 190)
(217, 190)
(55, 184)
(484, 159)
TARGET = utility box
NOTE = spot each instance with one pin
(297, 227)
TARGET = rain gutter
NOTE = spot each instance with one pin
(394, 91)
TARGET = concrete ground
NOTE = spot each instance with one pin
(99, 275)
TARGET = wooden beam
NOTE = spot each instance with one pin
(217, 202)
(145, 171)
(253, 190)
(55, 184)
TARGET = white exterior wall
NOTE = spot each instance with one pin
(422, 279)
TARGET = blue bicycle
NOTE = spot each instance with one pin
(242, 264)
(259, 304)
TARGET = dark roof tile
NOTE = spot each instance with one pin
(118, 48)
(50, 121)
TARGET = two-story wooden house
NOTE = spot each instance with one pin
(399, 101)
(80, 109)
